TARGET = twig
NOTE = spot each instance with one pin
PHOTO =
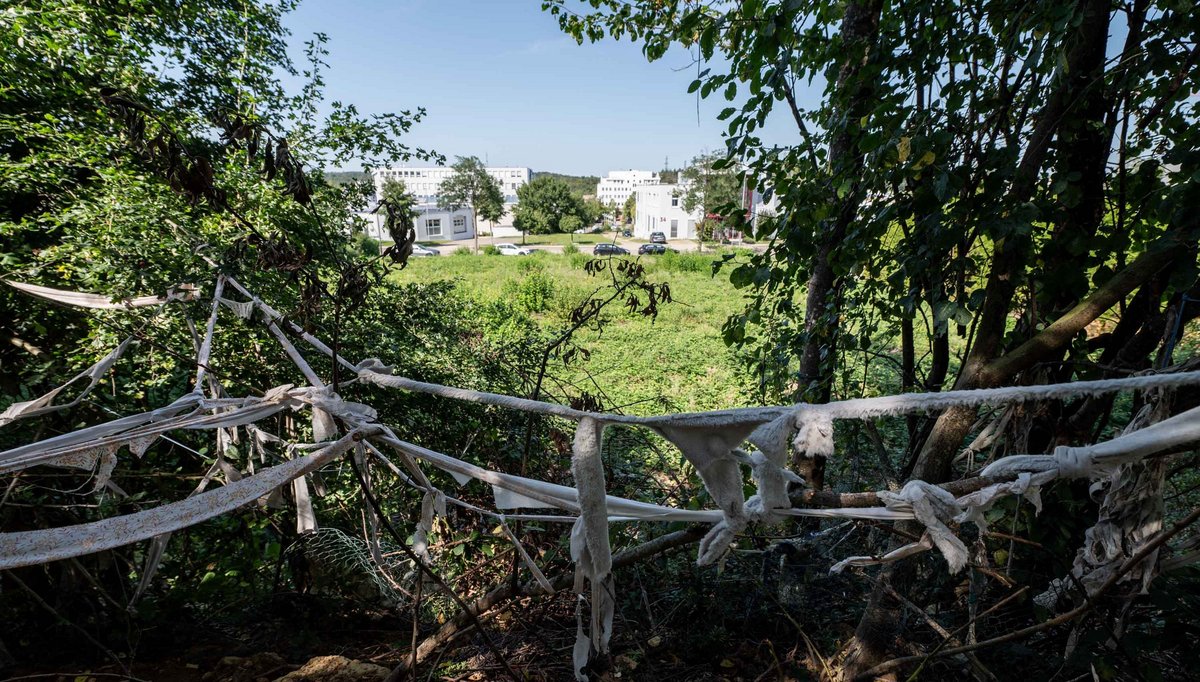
(1133, 561)
(403, 545)
(87, 635)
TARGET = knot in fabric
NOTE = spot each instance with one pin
(1074, 462)
(373, 365)
(934, 508)
(814, 432)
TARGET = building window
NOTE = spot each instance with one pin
(460, 224)
(674, 201)
(433, 227)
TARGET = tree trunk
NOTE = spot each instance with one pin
(859, 34)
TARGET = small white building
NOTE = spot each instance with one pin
(425, 183)
(616, 187)
(660, 209)
(433, 224)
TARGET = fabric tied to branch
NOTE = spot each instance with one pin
(933, 507)
(45, 404)
(814, 432)
(768, 470)
(184, 292)
(710, 448)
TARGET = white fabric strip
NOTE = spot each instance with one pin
(44, 404)
(184, 292)
(29, 548)
(860, 408)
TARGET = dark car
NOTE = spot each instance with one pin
(658, 238)
(608, 250)
(651, 249)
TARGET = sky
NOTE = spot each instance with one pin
(500, 81)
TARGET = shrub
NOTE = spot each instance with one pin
(569, 249)
(528, 265)
(685, 262)
(578, 260)
(491, 250)
(365, 245)
(462, 251)
(535, 292)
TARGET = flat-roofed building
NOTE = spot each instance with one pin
(425, 183)
(660, 209)
(616, 187)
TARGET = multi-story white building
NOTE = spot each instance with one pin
(660, 209)
(433, 224)
(425, 183)
(616, 187)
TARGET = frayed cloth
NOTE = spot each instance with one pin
(79, 299)
(45, 404)
(590, 549)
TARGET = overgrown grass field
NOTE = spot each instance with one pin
(676, 362)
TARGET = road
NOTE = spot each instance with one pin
(448, 247)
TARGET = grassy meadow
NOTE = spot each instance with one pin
(676, 362)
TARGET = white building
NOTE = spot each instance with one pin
(425, 183)
(433, 224)
(660, 209)
(616, 187)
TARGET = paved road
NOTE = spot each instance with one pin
(632, 245)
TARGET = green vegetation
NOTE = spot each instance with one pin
(579, 185)
(674, 362)
(978, 191)
(471, 186)
(546, 205)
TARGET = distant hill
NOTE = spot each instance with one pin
(579, 184)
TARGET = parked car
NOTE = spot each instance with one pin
(419, 250)
(654, 249)
(658, 238)
(626, 233)
(513, 250)
(607, 249)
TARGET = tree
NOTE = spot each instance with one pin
(542, 204)
(949, 172)
(569, 224)
(710, 185)
(594, 211)
(629, 211)
(471, 186)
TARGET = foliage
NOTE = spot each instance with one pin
(710, 185)
(581, 186)
(396, 193)
(471, 186)
(491, 250)
(629, 210)
(543, 203)
(960, 157)
(569, 249)
(569, 223)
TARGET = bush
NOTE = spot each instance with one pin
(365, 245)
(569, 249)
(528, 265)
(578, 260)
(534, 292)
(491, 250)
(685, 262)
(462, 251)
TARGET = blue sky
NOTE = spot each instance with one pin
(499, 80)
